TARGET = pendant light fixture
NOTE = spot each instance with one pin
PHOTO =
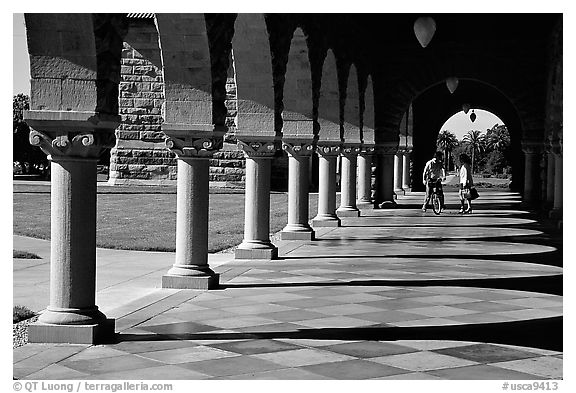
(452, 84)
(472, 116)
(424, 28)
(465, 108)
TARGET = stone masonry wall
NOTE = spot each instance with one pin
(140, 155)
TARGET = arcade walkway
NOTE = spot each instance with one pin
(394, 294)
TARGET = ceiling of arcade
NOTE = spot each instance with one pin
(508, 55)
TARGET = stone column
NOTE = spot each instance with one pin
(558, 187)
(531, 171)
(385, 176)
(73, 144)
(398, 173)
(256, 243)
(406, 170)
(298, 197)
(191, 269)
(326, 216)
(348, 183)
(365, 176)
(550, 180)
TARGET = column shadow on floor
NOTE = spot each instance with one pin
(542, 284)
(545, 333)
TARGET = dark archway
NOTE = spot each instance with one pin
(435, 105)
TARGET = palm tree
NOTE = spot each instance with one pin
(446, 141)
(497, 138)
(475, 142)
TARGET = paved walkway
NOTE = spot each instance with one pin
(394, 294)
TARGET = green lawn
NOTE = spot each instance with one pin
(147, 221)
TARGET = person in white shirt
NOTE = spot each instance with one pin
(433, 176)
(466, 183)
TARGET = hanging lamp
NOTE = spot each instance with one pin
(465, 108)
(452, 84)
(424, 28)
(472, 116)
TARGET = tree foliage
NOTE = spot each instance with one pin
(489, 152)
(30, 158)
(474, 140)
(446, 142)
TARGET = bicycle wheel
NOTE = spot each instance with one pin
(436, 203)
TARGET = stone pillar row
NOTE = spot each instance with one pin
(398, 161)
(193, 150)
(532, 184)
(256, 243)
(365, 176)
(326, 217)
(299, 156)
(558, 188)
(73, 142)
(349, 156)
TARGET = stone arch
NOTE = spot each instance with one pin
(187, 70)
(329, 101)
(253, 65)
(400, 88)
(435, 105)
(351, 120)
(367, 110)
(297, 111)
(75, 61)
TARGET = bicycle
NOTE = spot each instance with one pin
(435, 199)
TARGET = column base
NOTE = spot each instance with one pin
(331, 222)
(98, 333)
(256, 253)
(385, 205)
(363, 202)
(348, 212)
(297, 235)
(399, 191)
(208, 281)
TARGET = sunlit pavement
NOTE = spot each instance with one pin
(393, 294)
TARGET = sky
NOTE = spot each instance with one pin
(460, 123)
(21, 62)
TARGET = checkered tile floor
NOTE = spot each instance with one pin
(369, 303)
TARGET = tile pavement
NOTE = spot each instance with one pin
(363, 302)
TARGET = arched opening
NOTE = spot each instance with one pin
(482, 135)
(433, 107)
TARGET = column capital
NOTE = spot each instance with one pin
(556, 147)
(386, 148)
(329, 150)
(366, 150)
(532, 147)
(194, 147)
(72, 145)
(298, 149)
(71, 134)
(258, 149)
(351, 150)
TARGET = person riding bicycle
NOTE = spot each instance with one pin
(432, 177)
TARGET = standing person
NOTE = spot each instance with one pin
(466, 183)
(432, 177)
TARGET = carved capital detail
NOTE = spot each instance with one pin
(194, 147)
(258, 149)
(351, 150)
(328, 150)
(532, 147)
(298, 149)
(72, 144)
(556, 147)
(367, 150)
